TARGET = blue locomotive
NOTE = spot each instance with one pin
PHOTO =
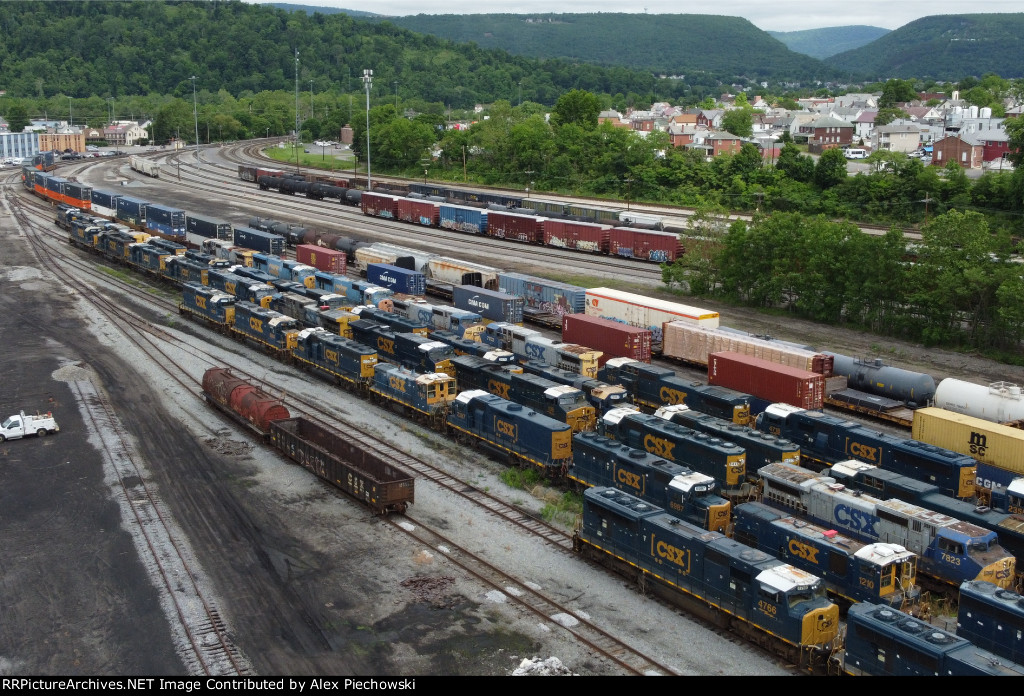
(774, 604)
(652, 387)
(825, 440)
(335, 357)
(601, 395)
(512, 431)
(411, 350)
(426, 395)
(883, 641)
(687, 494)
(992, 618)
(950, 550)
(853, 571)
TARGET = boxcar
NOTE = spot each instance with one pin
(645, 312)
(613, 339)
(999, 449)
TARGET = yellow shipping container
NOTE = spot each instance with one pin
(997, 445)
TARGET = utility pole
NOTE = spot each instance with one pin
(195, 115)
(296, 141)
(368, 82)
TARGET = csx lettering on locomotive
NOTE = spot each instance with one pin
(671, 396)
(386, 344)
(628, 478)
(804, 551)
(658, 446)
(855, 519)
(673, 554)
(506, 428)
(331, 356)
(865, 453)
(256, 324)
(200, 302)
(396, 383)
(496, 387)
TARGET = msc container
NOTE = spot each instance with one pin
(492, 305)
(767, 380)
(875, 377)
(613, 339)
(401, 280)
(131, 210)
(165, 220)
(645, 312)
(322, 258)
(463, 219)
(207, 227)
(344, 463)
(241, 400)
(418, 212)
(693, 344)
(259, 241)
(379, 205)
(999, 449)
(542, 295)
(999, 402)
(520, 228)
(580, 236)
(662, 247)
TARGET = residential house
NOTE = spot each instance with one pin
(681, 134)
(864, 126)
(826, 133)
(965, 150)
(710, 118)
(995, 144)
(124, 133)
(611, 116)
(897, 137)
(722, 143)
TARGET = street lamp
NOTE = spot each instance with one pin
(368, 82)
(195, 115)
(110, 111)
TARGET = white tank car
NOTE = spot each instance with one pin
(999, 402)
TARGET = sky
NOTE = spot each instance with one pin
(780, 15)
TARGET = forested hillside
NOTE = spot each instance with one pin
(822, 43)
(132, 48)
(668, 44)
(943, 47)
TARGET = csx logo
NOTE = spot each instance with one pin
(256, 324)
(628, 478)
(659, 446)
(397, 383)
(506, 428)
(857, 520)
(673, 554)
(331, 356)
(200, 302)
(804, 551)
(535, 351)
(387, 345)
(865, 452)
(496, 387)
(230, 288)
(671, 396)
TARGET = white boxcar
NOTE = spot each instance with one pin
(645, 312)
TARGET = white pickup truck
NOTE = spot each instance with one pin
(20, 425)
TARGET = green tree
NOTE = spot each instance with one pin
(576, 107)
(174, 120)
(889, 114)
(831, 169)
(739, 122)
(17, 117)
(895, 92)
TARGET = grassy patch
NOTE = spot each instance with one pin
(521, 478)
(566, 510)
(314, 158)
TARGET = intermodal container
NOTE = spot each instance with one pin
(105, 202)
(379, 205)
(260, 241)
(463, 219)
(542, 295)
(693, 344)
(78, 195)
(662, 247)
(207, 227)
(580, 236)
(401, 280)
(613, 339)
(418, 212)
(998, 448)
(322, 258)
(131, 210)
(767, 380)
(165, 220)
(492, 305)
(645, 312)
(520, 228)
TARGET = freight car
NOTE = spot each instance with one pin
(598, 461)
(825, 440)
(883, 641)
(875, 377)
(723, 461)
(613, 339)
(693, 345)
(992, 618)
(57, 189)
(998, 449)
(242, 401)
(645, 312)
(766, 382)
(651, 387)
(512, 432)
(544, 300)
(950, 550)
(775, 605)
(999, 402)
(145, 166)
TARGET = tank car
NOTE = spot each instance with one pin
(999, 402)
(875, 377)
(777, 606)
(242, 401)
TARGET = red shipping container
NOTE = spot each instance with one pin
(378, 204)
(663, 247)
(322, 258)
(580, 236)
(519, 228)
(767, 380)
(418, 212)
(613, 339)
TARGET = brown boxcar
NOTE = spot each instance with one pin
(322, 258)
(767, 380)
(378, 204)
(342, 463)
(418, 212)
(661, 247)
(613, 339)
(581, 236)
(242, 401)
(519, 228)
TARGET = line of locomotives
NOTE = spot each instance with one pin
(512, 430)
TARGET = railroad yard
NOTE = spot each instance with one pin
(301, 579)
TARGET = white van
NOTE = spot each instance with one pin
(856, 153)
